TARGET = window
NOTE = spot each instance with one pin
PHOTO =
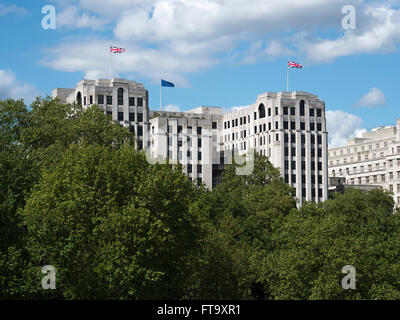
(302, 126)
(199, 156)
(84, 100)
(199, 168)
(311, 112)
(140, 102)
(189, 168)
(131, 101)
(293, 138)
(319, 113)
(109, 100)
(120, 96)
(109, 113)
(292, 111)
(285, 125)
(100, 99)
(255, 129)
(293, 125)
(285, 111)
(276, 111)
(312, 126)
(261, 111)
(140, 117)
(302, 108)
(269, 112)
(179, 129)
(120, 116)
(140, 131)
(319, 127)
(90, 99)
(131, 116)
(199, 142)
(276, 125)
(79, 98)
(199, 129)
(255, 115)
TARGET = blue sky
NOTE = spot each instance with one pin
(217, 52)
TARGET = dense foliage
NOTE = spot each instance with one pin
(75, 194)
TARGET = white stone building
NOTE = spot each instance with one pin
(373, 159)
(125, 101)
(288, 127)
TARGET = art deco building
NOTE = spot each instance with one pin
(288, 127)
(373, 159)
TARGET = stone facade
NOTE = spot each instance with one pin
(288, 127)
(373, 159)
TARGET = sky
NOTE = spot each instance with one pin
(217, 52)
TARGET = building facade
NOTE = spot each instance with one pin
(373, 159)
(288, 127)
(125, 101)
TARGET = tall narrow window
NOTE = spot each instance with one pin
(120, 96)
(302, 107)
(79, 98)
(261, 111)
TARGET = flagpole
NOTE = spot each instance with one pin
(160, 96)
(287, 79)
(110, 67)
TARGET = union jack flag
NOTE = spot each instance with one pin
(292, 64)
(114, 49)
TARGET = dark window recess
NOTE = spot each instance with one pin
(312, 126)
(312, 139)
(302, 126)
(84, 100)
(90, 99)
(286, 137)
(199, 129)
(120, 96)
(241, 121)
(313, 192)
(303, 165)
(319, 153)
(140, 102)
(199, 142)
(199, 168)
(285, 125)
(293, 138)
(319, 139)
(312, 165)
(292, 111)
(303, 178)
(302, 108)
(293, 125)
(199, 156)
(109, 100)
(132, 129)
(276, 111)
(179, 143)
(224, 124)
(233, 123)
(312, 152)
(293, 165)
(269, 112)
(140, 145)
(255, 115)
(320, 193)
(293, 178)
(261, 111)
(100, 99)
(319, 112)
(286, 152)
(179, 129)
(120, 116)
(303, 138)
(319, 165)
(131, 116)
(286, 164)
(293, 152)
(265, 127)
(140, 131)
(313, 179)
(286, 178)
(109, 113)
(140, 117)
(189, 168)
(311, 112)
(285, 111)
(131, 101)
(276, 125)
(255, 129)
(320, 179)
(303, 152)
(188, 153)
(319, 127)
(269, 125)
(214, 124)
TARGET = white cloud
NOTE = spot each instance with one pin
(10, 87)
(342, 126)
(177, 37)
(70, 17)
(4, 10)
(374, 98)
(172, 108)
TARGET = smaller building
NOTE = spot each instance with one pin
(338, 184)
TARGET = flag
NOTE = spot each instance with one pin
(167, 84)
(292, 64)
(114, 49)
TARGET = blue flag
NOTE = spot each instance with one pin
(167, 84)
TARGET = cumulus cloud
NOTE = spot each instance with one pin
(172, 108)
(342, 126)
(193, 35)
(71, 17)
(10, 87)
(374, 98)
(4, 10)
